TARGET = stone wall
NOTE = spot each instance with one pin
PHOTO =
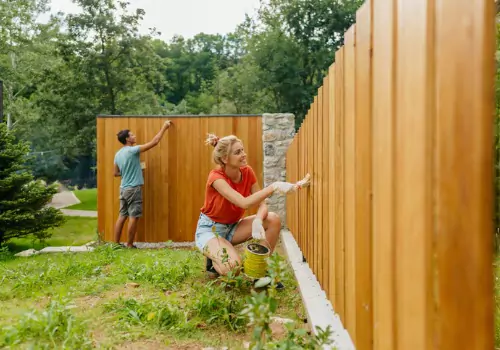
(278, 132)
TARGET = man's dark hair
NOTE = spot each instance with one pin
(122, 136)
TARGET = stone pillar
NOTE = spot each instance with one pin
(278, 132)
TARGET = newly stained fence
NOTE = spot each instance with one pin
(176, 170)
(397, 225)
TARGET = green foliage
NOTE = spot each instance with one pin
(160, 314)
(260, 308)
(176, 304)
(222, 303)
(22, 200)
(297, 45)
(54, 327)
(88, 199)
(157, 273)
(75, 231)
(64, 73)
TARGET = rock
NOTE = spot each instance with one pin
(269, 150)
(132, 285)
(281, 320)
(279, 132)
(28, 252)
(81, 249)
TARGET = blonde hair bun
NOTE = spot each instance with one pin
(212, 140)
(222, 146)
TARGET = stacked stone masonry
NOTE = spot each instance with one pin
(278, 132)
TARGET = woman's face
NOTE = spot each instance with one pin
(237, 156)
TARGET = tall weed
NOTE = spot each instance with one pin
(54, 327)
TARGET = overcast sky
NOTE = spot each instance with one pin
(183, 17)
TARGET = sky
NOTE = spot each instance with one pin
(183, 17)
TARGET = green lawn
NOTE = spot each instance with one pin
(129, 299)
(75, 231)
(88, 199)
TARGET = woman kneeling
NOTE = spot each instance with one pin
(231, 189)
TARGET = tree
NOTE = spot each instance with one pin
(23, 200)
(294, 43)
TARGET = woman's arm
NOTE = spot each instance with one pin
(237, 199)
(263, 210)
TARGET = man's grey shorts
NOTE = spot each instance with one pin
(131, 201)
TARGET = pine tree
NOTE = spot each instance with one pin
(23, 200)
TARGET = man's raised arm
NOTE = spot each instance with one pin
(156, 139)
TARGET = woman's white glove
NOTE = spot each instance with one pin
(258, 231)
(283, 187)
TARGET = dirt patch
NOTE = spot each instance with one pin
(278, 330)
(143, 344)
(125, 291)
(42, 302)
(99, 336)
(155, 344)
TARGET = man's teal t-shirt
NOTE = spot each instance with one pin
(128, 161)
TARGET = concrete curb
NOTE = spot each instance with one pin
(76, 198)
(319, 310)
(83, 213)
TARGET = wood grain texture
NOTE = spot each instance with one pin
(176, 171)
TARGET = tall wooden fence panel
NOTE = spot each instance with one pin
(176, 170)
(397, 224)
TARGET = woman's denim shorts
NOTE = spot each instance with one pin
(204, 231)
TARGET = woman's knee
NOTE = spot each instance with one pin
(229, 264)
(273, 219)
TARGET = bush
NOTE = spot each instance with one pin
(22, 199)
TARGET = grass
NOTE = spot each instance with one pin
(75, 231)
(88, 199)
(120, 298)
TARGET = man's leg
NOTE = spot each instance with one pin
(135, 212)
(122, 217)
(119, 227)
(132, 230)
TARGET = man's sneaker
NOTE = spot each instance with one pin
(210, 270)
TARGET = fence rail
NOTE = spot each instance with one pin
(397, 224)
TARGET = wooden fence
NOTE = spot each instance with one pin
(176, 170)
(397, 225)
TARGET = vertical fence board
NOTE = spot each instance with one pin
(333, 186)
(383, 104)
(165, 182)
(340, 183)
(350, 190)
(363, 146)
(464, 80)
(324, 203)
(310, 158)
(414, 160)
(318, 232)
(101, 167)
